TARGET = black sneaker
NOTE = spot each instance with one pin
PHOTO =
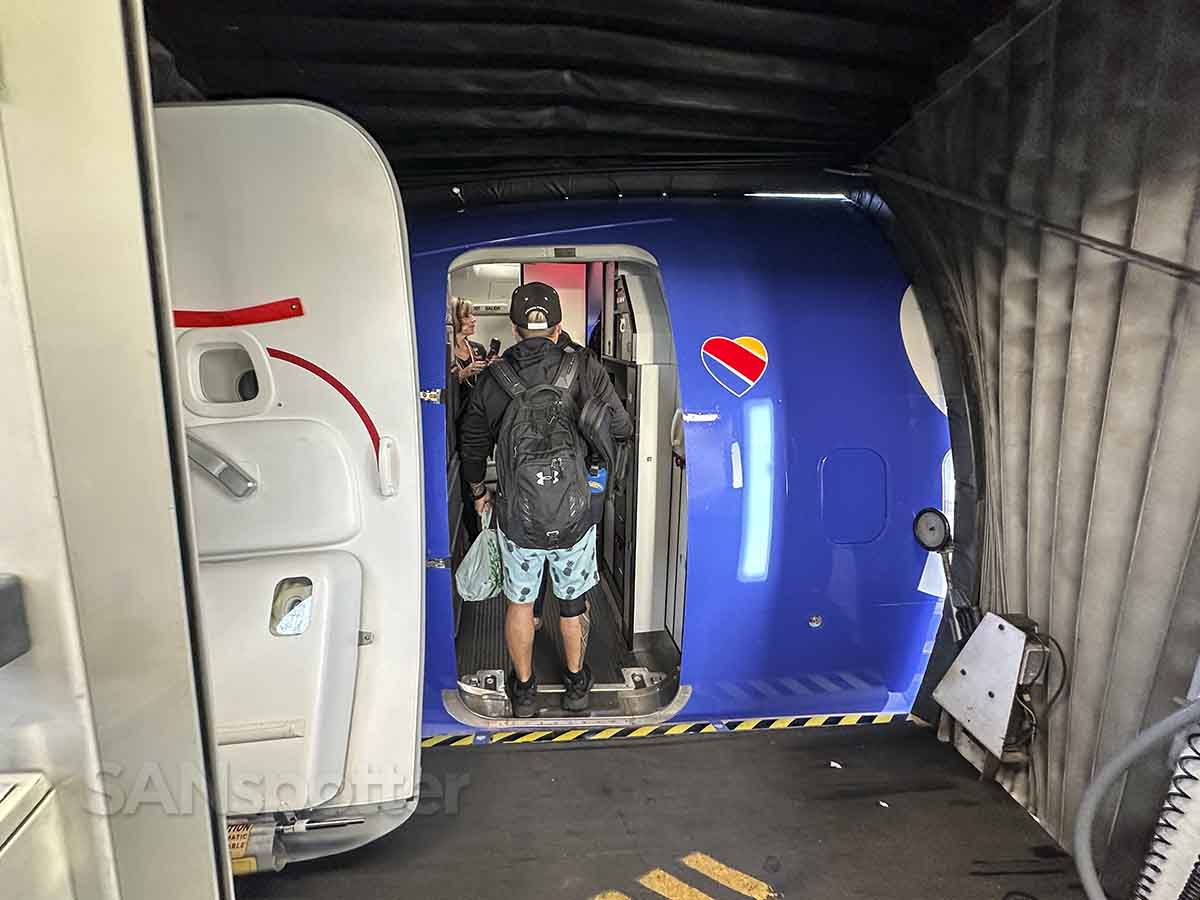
(524, 696)
(578, 695)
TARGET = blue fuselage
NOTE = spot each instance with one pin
(803, 574)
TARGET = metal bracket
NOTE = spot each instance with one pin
(437, 562)
(639, 677)
(485, 681)
(979, 689)
(365, 638)
(303, 826)
(434, 395)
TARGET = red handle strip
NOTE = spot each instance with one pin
(274, 311)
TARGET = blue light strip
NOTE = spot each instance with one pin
(758, 495)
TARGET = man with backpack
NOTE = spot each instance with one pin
(529, 405)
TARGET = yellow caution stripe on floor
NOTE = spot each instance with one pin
(448, 740)
(668, 729)
(671, 887)
(819, 721)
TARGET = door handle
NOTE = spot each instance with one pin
(222, 469)
(389, 466)
(677, 430)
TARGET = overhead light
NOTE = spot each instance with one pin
(498, 271)
(778, 195)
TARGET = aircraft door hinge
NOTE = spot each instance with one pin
(431, 396)
(437, 562)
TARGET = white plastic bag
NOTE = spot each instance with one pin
(479, 576)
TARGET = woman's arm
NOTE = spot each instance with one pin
(462, 371)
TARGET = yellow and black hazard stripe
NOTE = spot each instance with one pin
(828, 721)
(669, 729)
(449, 740)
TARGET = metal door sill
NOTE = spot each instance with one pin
(456, 703)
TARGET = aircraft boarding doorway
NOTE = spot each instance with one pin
(297, 368)
(613, 304)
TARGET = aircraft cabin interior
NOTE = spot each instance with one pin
(616, 308)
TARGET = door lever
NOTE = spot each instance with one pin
(223, 470)
(677, 430)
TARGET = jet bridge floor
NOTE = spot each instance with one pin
(850, 812)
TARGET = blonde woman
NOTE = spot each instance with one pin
(468, 359)
(469, 356)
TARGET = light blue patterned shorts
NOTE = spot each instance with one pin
(572, 571)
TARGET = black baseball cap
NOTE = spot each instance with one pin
(535, 295)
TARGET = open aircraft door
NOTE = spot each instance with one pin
(296, 357)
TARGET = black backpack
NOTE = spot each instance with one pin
(543, 501)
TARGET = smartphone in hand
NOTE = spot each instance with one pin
(494, 348)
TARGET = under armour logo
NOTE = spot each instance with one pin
(544, 479)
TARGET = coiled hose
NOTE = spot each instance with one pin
(1103, 782)
(1191, 890)
(1161, 878)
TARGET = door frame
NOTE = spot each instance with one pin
(80, 156)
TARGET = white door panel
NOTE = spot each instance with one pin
(290, 207)
(283, 674)
(305, 493)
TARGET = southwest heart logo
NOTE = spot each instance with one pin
(736, 364)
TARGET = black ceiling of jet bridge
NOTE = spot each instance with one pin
(526, 99)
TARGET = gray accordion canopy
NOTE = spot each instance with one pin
(1048, 199)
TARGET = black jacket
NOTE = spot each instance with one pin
(536, 361)
(465, 387)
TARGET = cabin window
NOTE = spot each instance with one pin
(227, 375)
